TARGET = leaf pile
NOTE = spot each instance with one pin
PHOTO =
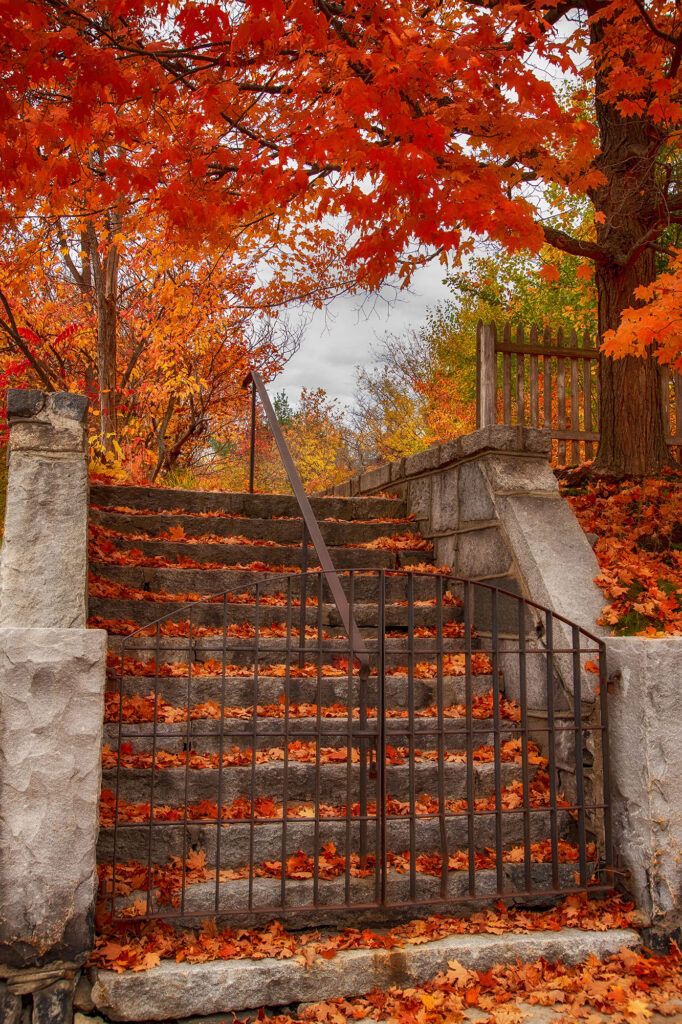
(140, 946)
(639, 549)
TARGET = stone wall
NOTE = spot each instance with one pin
(44, 549)
(490, 503)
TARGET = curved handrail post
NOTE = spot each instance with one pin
(312, 526)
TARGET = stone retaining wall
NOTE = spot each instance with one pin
(490, 503)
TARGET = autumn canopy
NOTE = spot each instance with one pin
(156, 156)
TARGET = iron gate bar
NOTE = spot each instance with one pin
(497, 755)
(304, 504)
(523, 690)
(551, 742)
(444, 851)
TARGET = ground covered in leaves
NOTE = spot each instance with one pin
(638, 524)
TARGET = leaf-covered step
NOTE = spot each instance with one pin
(236, 845)
(215, 614)
(174, 785)
(260, 506)
(242, 584)
(336, 533)
(237, 895)
(244, 691)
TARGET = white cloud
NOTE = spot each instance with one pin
(340, 337)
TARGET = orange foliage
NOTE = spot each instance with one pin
(639, 548)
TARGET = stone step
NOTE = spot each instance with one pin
(204, 734)
(215, 613)
(271, 650)
(173, 786)
(283, 531)
(173, 991)
(258, 506)
(281, 555)
(218, 581)
(175, 839)
(239, 691)
(234, 896)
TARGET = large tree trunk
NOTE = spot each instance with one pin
(632, 438)
(630, 399)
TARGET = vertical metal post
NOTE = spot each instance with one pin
(303, 594)
(252, 465)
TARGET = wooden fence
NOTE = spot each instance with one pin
(512, 388)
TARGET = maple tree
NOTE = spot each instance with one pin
(416, 125)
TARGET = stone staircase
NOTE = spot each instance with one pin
(286, 789)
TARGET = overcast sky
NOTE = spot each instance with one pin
(337, 339)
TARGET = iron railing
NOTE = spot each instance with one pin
(466, 762)
(311, 529)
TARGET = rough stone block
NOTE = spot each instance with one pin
(482, 553)
(422, 462)
(54, 1004)
(537, 440)
(10, 1005)
(176, 990)
(556, 561)
(451, 451)
(445, 500)
(419, 498)
(23, 403)
(44, 551)
(375, 478)
(475, 500)
(51, 708)
(398, 470)
(512, 473)
(645, 745)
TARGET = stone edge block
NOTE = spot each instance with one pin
(645, 742)
(175, 990)
(52, 684)
(377, 477)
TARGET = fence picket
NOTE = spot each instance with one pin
(506, 378)
(520, 379)
(575, 405)
(587, 396)
(561, 399)
(547, 380)
(534, 370)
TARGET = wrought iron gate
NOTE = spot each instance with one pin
(261, 764)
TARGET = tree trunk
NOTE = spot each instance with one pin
(632, 435)
(630, 399)
(106, 367)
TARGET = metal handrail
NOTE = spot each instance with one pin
(311, 525)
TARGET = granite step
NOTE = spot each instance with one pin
(241, 691)
(258, 506)
(175, 839)
(174, 785)
(179, 580)
(283, 531)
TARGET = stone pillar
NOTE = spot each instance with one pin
(44, 549)
(645, 744)
(52, 681)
